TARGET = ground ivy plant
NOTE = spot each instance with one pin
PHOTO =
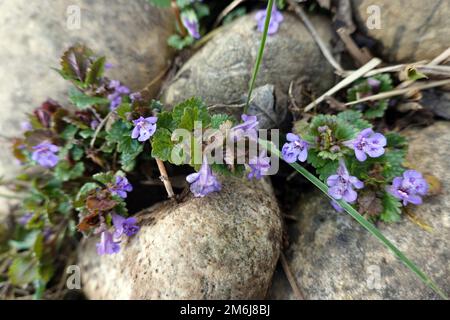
(80, 161)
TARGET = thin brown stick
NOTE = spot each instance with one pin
(323, 47)
(399, 92)
(297, 293)
(440, 58)
(99, 128)
(165, 178)
(360, 55)
(345, 82)
(176, 12)
(233, 5)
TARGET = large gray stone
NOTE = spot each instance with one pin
(332, 257)
(34, 34)
(411, 30)
(220, 72)
(223, 246)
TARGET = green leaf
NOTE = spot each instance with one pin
(23, 270)
(393, 166)
(104, 177)
(84, 101)
(179, 43)
(160, 3)
(77, 153)
(187, 113)
(377, 110)
(64, 171)
(95, 71)
(327, 170)
(88, 187)
(165, 120)
(360, 219)
(413, 74)
(69, 132)
(391, 208)
(27, 242)
(218, 119)
(355, 119)
(396, 140)
(123, 110)
(162, 144)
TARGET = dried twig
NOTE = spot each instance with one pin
(323, 47)
(99, 128)
(233, 5)
(399, 92)
(165, 178)
(362, 56)
(345, 82)
(440, 58)
(298, 294)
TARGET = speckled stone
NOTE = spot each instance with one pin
(34, 34)
(333, 257)
(223, 246)
(411, 30)
(220, 72)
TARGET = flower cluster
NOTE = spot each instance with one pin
(144, 128)
(119, 91)
(275, 20)
(121, 187)
(45, 154)
(204, 181)
(409, 188)
(295, 149)
(367, 143)
(110, 241)
(342, 183)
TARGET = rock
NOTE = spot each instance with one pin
(333, 257)
(437, 102)
(224, 246)
(220, 72)
(410, 30)
(132, 34)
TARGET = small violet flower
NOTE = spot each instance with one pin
(275, 19)
(107, 244)
(409, 188)
(259, 166)
(144, 128)
(125, 226)
(246, 129)
(295, 149)
(190, 22)
(121, 187)
(45, 154)
(367, 143)
(135, 96)
(342, 183)
(116, 96)
(26, 126)
(23, 220)
(204, 181)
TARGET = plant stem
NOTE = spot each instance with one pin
(260, 53)
(165, 178)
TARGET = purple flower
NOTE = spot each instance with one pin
(342, 183)
(259, 166)
(367, 142)
(144, 128)
(204, 181)
(275, 19)
(121, 187)
(135, 96)
(190, 22)
(125, 226)
(26, 126)
(295, 149)
(336, 206)
(374, 85)
(23, 220)
(107, 245)
(246, 129)
(108, 65)
(94, 124)
(44, 154)
(116, 96)
(409, 188)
